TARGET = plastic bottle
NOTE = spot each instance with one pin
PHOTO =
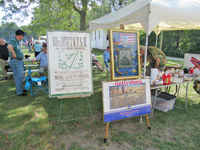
(173, 71)
(181, 74)
(176, 75)
(166, 79)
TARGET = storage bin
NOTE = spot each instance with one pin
(164, 101)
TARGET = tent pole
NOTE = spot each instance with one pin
(145, 58)
(161, 40)
(156, 40)
(156, 37)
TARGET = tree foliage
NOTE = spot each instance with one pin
(175, 43)
(7, 31)
(53, 16)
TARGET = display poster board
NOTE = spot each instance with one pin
(193, 61)
(125, 99)
(124, 54)
(69, 63)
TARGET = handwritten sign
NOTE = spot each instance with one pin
(69, 63)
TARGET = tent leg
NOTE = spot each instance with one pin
(156, 41)
(161, 40)
(145, 58)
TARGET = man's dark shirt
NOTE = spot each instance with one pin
(4, 52)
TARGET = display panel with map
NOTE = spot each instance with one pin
(124, 99)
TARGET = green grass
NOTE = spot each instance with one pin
(30, 122)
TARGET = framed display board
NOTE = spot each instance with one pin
(124, 54)
(125, 99)
(193, 61)
(69, 63)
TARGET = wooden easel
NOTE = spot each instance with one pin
(62, 97)
(107, 124)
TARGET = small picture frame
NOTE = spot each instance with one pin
(125, 58)
(124, 54)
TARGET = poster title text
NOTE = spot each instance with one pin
(70, 42)
(128, 82)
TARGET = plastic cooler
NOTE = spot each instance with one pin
(164, 101)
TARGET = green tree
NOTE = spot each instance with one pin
(53, 16)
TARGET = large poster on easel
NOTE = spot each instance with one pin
(125, 99)
(69, 63)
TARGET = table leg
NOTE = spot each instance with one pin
(178, 90)
(186, 87)
(153, 104)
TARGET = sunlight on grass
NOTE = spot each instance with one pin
(19, 111)
(12, 89)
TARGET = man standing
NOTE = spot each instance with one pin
(155, 57)
(16, 61)
(3, 57)
(43, 60)
(29, 45)
(106, 56)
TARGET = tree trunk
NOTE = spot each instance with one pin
(83, 20)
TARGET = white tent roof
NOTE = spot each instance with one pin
(152, 15)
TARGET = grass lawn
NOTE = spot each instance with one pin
(30, 122)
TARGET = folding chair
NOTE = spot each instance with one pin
(34, 81)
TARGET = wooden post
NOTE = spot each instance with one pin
(105, 139)
(148, 122)
(121, 26)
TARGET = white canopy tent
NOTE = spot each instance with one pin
(152, 15)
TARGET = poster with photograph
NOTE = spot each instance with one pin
(124, 54)
(125, 99)
(192, 61)
(69, 63)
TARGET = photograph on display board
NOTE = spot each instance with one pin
(69, 63)
(192, 61)
(125, 99)
(122, 96)
(124, 54)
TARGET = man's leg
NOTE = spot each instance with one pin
(46, 68)
(17, 68)
(3, 63)
(41, 71)
(106, 62)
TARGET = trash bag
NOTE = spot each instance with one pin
(27, 84)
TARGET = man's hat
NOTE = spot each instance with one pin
(19, 32)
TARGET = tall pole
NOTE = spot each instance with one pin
(145, 58)
(156, 40)
(161, 40)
